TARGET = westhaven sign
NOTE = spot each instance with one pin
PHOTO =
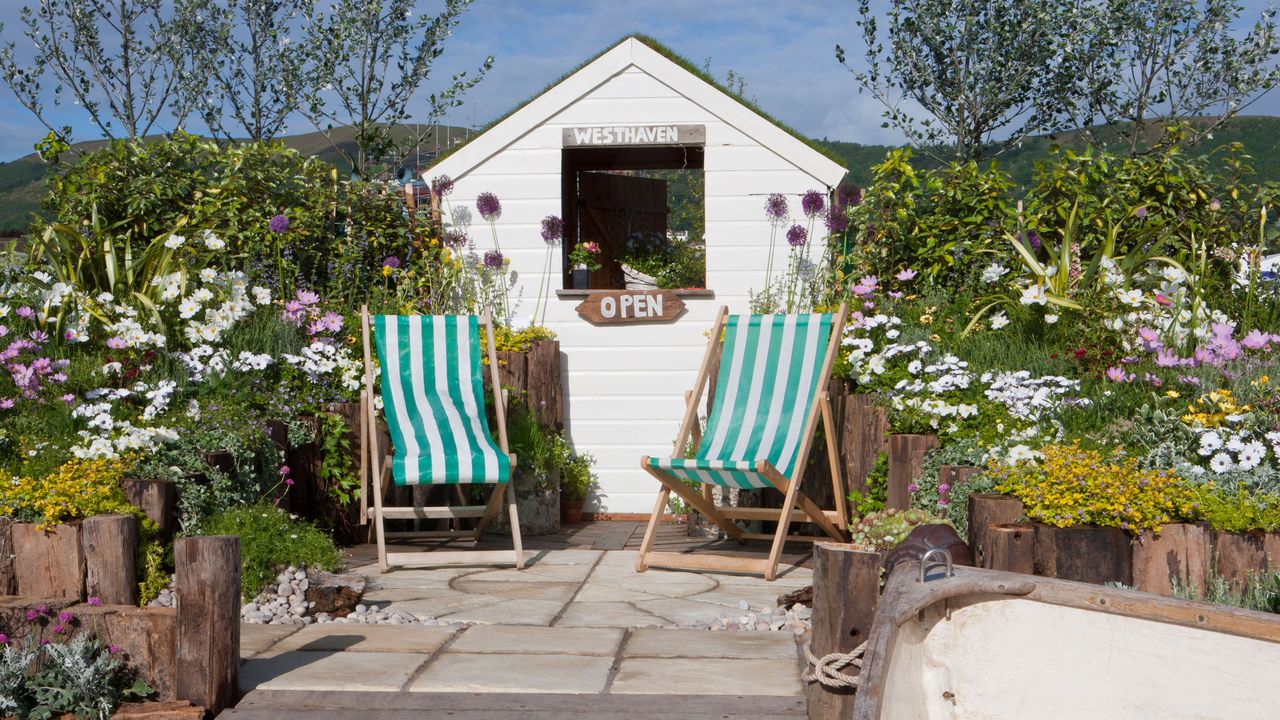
(636, 135)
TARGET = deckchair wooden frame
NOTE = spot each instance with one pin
(381, 468)
(829, 521)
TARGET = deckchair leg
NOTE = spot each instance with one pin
(695, 499)
(833, 459)
(515, 524)
(652, 530)
(780, 537)
(381, 529)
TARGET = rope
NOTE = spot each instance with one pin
(826, 669)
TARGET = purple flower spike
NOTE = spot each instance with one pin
(836, 220)
(278, 224)
(489, 207)
(797, 236)
(813, 203)
(391, 262)
(552, 229)
(493, 260)
(775, 208)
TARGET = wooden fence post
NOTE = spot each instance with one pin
(985, 511)
(1083, 553)
(1011, 548)
(111, 558)
(846, 590)
(864, 428)
(906, 463)
(8, 579)
(208, 570)
(158, 500)
(48, 563)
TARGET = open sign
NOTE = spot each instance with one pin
(631, 306)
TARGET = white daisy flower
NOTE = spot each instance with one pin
(993, 273)
(175, 241)
(1221, 463)
(999, 320)
(1210, 443)
(213, 242)
(1252, 455)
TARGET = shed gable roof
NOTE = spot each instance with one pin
(652, 58)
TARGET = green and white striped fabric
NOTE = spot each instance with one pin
(433, 397)
(769, 369)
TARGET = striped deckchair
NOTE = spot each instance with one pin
(770, 393)
(433, 401)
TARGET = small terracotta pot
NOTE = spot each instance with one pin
(571, 511)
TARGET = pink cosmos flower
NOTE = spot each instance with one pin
(306, 297)
(1150, 339)
(1162, 299)
(895, 294)
(906, 275)
(1255, 340)
(1167, 359)
(868, 306)
(1116, 374)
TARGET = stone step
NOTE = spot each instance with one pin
(339, 705)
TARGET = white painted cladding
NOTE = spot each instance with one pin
(625, 383)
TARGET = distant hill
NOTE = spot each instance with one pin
(22, 180)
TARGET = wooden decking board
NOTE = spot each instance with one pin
(339, 705)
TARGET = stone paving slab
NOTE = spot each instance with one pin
(707, 676)
(520, 590)
(521, 612)
(374, 671)
(538, 640)
(646, 642)
(504, 673)
(541, 572)
(255, 638)
(606, 614)
(367, 638)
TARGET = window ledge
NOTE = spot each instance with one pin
(688, 292)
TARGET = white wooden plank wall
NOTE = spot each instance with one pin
(625, 383)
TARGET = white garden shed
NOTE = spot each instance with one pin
(631, 108)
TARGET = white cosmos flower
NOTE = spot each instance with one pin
(203, 295)
(876, 364)
(208, 274)
(1220, 463)
(1051, 318)
(175, 241)
(188, 308)
(999, 320)
(1034, 295)
(261, 295)
(1132, 298)
(213, 242)
(1173, 274)
(993, 273)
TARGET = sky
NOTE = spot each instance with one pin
(784, 50)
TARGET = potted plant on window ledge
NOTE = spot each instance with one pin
(585, 258)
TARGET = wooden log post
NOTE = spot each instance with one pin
(48, 564)
(864, 430)
(111, 558)
(158, 500)
(1237, 556)
(1083, 553)
(846, 591)
(1010, 548)
(906, 465)
(985, 511)
(208, 570)
(8, 580)
(1181, 551)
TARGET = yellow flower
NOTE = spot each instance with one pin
(1173, 394)
(926, 319)
(386, 270)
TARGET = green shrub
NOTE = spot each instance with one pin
(270, 539)
(885, 529)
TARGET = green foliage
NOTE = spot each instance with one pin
(1239, 511)
(929, 496)
(577, 479)
(270, 539)
(506, 339)
(337, 471)
(78, 676)
(1259, 592)
(876, 489)
(883, 530)
(672, 263)
(153, 569)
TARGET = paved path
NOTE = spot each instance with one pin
(575, 624)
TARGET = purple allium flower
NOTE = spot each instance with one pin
(94, 601)
(284, 469)
(489, 207)
(775, 208)
(797, 236)
(493, 260)
(278, 224)
(848, 195)
(906, 275)
(813, 203)
(442, 185)
(456, 239)
(836, 220)
(1033, 241)
(552, 229)
(391, 261)
(25, 312)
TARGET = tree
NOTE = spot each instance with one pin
(253, 78)
(1172, 61)
(982, 70)
(367, 59)
(123, 61)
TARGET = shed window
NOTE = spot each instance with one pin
(645, 208)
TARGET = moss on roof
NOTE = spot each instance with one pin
(674, 57)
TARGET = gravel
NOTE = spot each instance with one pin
(796, 620)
